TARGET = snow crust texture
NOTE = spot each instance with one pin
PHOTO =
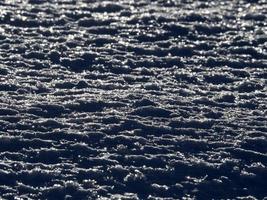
(158, 99)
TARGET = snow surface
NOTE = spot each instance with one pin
(147, 99)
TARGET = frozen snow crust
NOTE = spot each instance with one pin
(133, 99)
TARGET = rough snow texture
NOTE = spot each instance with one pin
(133, 99)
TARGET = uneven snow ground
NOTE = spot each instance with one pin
(133, 99)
